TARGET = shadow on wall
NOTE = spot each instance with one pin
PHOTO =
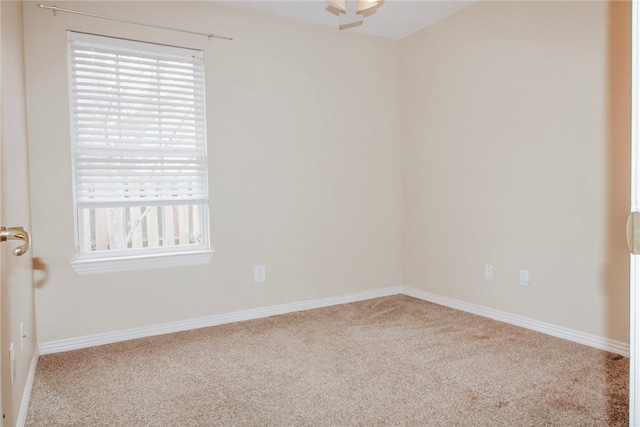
(615, 282)
(40, 273)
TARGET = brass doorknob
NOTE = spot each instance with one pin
(16, 233)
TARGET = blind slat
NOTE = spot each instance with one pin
(96, 94)
(123, 132)
(139, 153)
(87, 84)
(90, 57)
(132, 204)
(104, 50)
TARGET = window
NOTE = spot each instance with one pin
(139, 153)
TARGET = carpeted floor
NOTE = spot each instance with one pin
(394, 361)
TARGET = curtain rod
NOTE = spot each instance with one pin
(78, 12)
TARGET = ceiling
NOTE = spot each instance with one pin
(395, 19)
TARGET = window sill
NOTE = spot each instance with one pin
(140, 262)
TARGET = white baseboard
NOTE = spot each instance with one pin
(513, 319)
(239, 316)
(214, 320)
(26, 394)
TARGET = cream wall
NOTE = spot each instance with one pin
(499, 135)
(304, 167)
(16, 275)
(515, 152)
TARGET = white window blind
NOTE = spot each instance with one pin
(138, 123)
(138, 136)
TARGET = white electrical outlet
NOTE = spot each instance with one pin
(488, 271)
(22, 336)
(524, 277)
(260, 273)
(12, 361)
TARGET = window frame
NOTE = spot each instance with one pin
(131, 259)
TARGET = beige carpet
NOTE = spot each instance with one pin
(394, 361)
